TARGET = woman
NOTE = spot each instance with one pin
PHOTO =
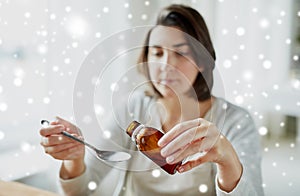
(216, 141)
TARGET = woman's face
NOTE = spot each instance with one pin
(171, 66)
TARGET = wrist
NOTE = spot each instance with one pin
(72, 168)
(229, 169)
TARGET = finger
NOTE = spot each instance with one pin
(57, 139)
(52, 129)
(62, 121)
(177, 130)
(194, 163)
(71, 128)
(189, 136)
(59, 148)
(70, 153)
(185, 152)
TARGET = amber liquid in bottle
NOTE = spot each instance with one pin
(146, 139)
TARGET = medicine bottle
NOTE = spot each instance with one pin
(146, 139)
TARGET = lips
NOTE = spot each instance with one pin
(167, 81)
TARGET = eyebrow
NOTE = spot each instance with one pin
(175, 45)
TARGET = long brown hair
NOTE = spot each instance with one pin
(192, 23)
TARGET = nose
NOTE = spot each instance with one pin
(168, 61)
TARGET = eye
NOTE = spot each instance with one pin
(156, 53)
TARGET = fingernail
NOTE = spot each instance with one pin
(160, 143)
(170, 159)
(45, 140)
(163, 152)
(181, 169)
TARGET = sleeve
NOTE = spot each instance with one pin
(100, 177)
(240, 130)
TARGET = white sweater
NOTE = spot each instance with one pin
(140, 176)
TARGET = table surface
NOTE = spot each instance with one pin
(16, 188)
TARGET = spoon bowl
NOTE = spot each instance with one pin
(111, 156)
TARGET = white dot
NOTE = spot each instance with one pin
(92, 185)
(266, 149)
(261, 56)
(68, 9)
(267, 64)
(239, 99)
(46, 100)
(248, 75)
(240, 31)
(42, 49)
(155, 173)
(67, 61)
(277, 145)
(114, 87)
(26, 147)
(29, 100)
(224, 106)
(264, 94)
(147, 3)
(129, 16)
(52, 17)
(126, 5)
(298, 13)
(263, 131)
(295, 57)
(242, 47)
(274, 164)
(267, 37)
(99, 110)
(279, 21)
(0, 41)
(292, 145)
(55, 68)
(2, 135)
(105, 9)
(235, 57)
(203, 188)
(60, 138)
(277, 107)
(44, 33)
(227, 63)
(27, 14)
(282, 124)
(291, 158)
(224, 31)
(282, 13)
(18, 82)
(144, 17)
(288, 41)
(75, 44)
(254, 9)
(275, 87)
(98, 35)
(107, 134)
(264, 23)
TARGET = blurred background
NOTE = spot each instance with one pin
(43, 44)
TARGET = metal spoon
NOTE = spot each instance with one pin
(112, 156)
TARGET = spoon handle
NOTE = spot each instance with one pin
(78, 140)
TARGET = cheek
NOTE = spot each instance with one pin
(153, 72)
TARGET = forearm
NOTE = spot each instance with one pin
(72, 168)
